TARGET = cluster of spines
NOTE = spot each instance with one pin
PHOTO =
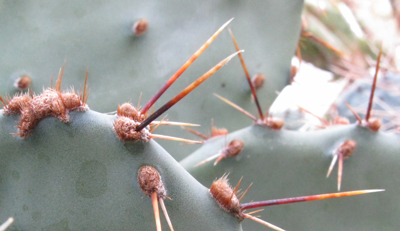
(227, 199)
(265, 120)
(134, 126)
(232, 149)
(150, 182)
(52, 102)
(34, 108)
(214, 132)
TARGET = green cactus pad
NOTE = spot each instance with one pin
(287, 164)
(38, 37)
(80, 176)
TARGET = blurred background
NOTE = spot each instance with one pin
(336, 60)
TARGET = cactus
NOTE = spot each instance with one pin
(269, 150)
(80, 173)
(36, 39)
(286, 163)
(58, 180)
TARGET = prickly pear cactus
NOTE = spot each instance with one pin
(288, 163)
(75, 174)
(300, 159)
(37, 38)
(80, 176)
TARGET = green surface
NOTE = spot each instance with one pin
(288, 164)
(36, 38)
(79, 176)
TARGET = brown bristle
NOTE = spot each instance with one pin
(59, 79)
(138, 104)
(140, 27)
(237, 107)
(155, 127)
(326, 123)
(224, 195)
(246, 72)
(258, 81)
(23, 83)
(185, 92)
(359, 120)
(85, 94)
(371, 97)
(322, 42)
(290, 200)
(150, 181)
(196, 133)
(214, 131)
(374, 124)
(2, 103)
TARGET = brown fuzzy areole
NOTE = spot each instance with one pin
(258, 81)
(233, 149)
(126, 123)
(347, 148)
(151, 184)
(14, 106)
(49, 103)
(140, 27)
(273, 123)
(23, 83)
(52, 102)
(126, 130)
(27, 122)
(72, 101)
(226, 197)
(150, 181)
(127, 110)
(374, 124)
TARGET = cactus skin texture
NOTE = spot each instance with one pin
(37, 38)
(80, 176)
(288, 163)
